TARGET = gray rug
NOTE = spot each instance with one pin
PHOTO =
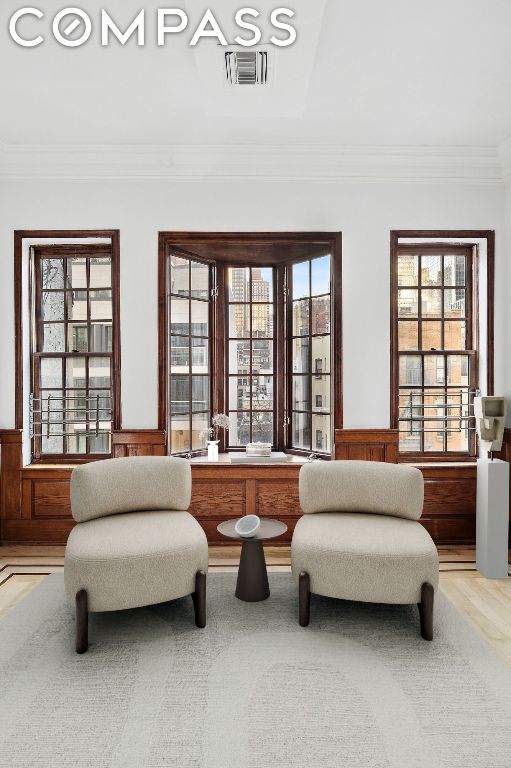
(357, 689)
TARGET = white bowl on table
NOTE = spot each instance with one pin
(247, 526)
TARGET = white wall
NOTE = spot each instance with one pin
(364, 212)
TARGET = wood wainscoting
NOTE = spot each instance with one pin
(35, 504)
(367, 444)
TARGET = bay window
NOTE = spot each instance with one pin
(250, 326)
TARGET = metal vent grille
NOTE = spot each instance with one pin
(246, 67)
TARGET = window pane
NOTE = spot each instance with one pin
(321, 440)
(262, 393)
(239, 283)
(239, 356)
(431, 334)
(434, 370)
(262, 427)
(52, 444)
(77, 273)
(301, 318)
(262, 356)
(457, 369)
(200, 393)
(320, 275)
(101, 337)
(100, 443)
(180, 433)
(200, 427)
(455, 334)
(179, 352)
(200, 355)
(301, 393)
(54, 339)
(262, 284)
(457, 437)
(75, 372)
(98, 404)
(408, 303)
(431, 303)
(179, 275)
(301, 287)
(320, 355)
(52, 305)
(76, 305)
(101, 305)
(239, 321)
(51, 373)
(78, 338)
(301, 429)
(52, 273)
(200, 280)
(200, 318)
(410, 370)
(179, 393)
(431, 270)
(99, 371)
(458, 433)
(239, 430)
(321, 393)
(434, 427)
(454, 270)
(300, 353)
(239, 393)
(407, 269)
(454, 302)
(179, 315)
(100, 272)
(262, 320)
(321, 315)
(408, 332)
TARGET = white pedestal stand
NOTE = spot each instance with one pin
(492, 518)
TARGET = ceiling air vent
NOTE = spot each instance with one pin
(246, 67)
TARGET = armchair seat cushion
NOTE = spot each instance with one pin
(134, 559)
(366, 557)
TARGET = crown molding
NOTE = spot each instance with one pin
(320, 163)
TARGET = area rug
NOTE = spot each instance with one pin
(358, 688)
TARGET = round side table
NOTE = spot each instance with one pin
(252, 584)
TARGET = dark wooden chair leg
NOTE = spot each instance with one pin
(426, 610)
(304, 599)
(82, 621)
(199, 599)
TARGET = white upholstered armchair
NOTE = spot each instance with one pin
(360, 539)
(135, 544)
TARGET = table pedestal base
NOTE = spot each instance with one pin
(252, 585)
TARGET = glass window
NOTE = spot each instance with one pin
(189, 360)
(73, 350)
(435, 388)
(250, 363)
(311, 355)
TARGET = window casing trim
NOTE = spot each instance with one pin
(20, 236)
(185, 242)
(461, 239)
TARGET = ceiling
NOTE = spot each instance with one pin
(362, 72)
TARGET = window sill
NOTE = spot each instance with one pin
(225, 459)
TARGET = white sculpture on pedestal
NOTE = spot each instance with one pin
(492, 489)
(490, 414)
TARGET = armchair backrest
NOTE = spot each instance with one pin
(114, 486)
(362, 486)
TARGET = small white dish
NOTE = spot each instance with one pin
(247, 526)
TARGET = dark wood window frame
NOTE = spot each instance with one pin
(262, 249)
(114, 252)
(451, 236)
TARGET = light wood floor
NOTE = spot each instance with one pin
(486, 603)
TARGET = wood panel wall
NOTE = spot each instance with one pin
(35, 504)
(367, 444)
